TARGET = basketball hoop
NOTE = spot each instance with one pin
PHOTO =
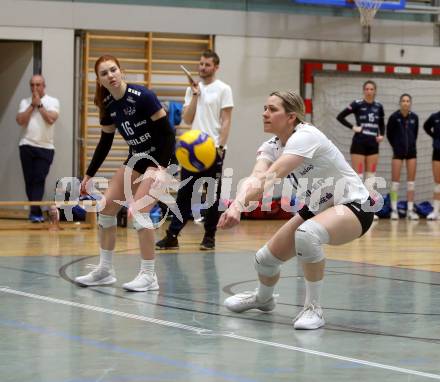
(367, 10)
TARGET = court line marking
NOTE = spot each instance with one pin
(203, 331)
(111, 347)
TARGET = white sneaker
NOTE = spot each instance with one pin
(394, 215)
(99, 276)
(143, 282)
(248, 300)
(432, 216)
(200, 220)
(411, 215)
(309, 318)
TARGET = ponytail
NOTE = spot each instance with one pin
(100, 93)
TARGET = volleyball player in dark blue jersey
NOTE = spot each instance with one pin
(368, 130)
(139, 117)
(432, 128)
(402, 130)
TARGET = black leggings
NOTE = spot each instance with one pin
(184, 196)
(35, 162)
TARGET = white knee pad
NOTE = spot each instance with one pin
(267, 264)
(141, 221)
(411, 186)
(309, 237)
(395, 186)
(437, 188)
(107, 221)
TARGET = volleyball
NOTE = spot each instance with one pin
(195, 151)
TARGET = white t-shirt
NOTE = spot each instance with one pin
(212, 99)
(38, 133)
(324, 179)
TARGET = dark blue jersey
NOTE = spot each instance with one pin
(369, 116)
(402, 132)
(132, 117)
(432, 128)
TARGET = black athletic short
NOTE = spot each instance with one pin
(364, 148)
(363, 214)
(409, 155)
(305, 213)
(436, 155)
(360, 210)
(141, 164)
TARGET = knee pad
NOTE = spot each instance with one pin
(309, 237)
(267, 264)
(107, 221)
(410, 186)
(142, 220)
(437, 188)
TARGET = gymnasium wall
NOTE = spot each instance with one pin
(256, 66)
(16, 62)
(260, 52)
(57, 62)
(81, 15)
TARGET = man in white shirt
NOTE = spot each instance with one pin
(208, 108)
(37, 115)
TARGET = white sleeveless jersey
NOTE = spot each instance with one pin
(324, 179)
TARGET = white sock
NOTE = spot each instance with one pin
(394, 205)
(105, 258)
(410, 206)
(264, 292)
(313, 292)
(436, 206)
(147, 266)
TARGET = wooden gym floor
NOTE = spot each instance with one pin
(381, 302)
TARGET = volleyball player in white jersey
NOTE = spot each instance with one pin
(335, 211)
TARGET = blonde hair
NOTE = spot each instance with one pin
(292, 103)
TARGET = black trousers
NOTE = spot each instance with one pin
(184, 196)
(35, 162)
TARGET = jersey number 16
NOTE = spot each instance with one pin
(126, 127)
